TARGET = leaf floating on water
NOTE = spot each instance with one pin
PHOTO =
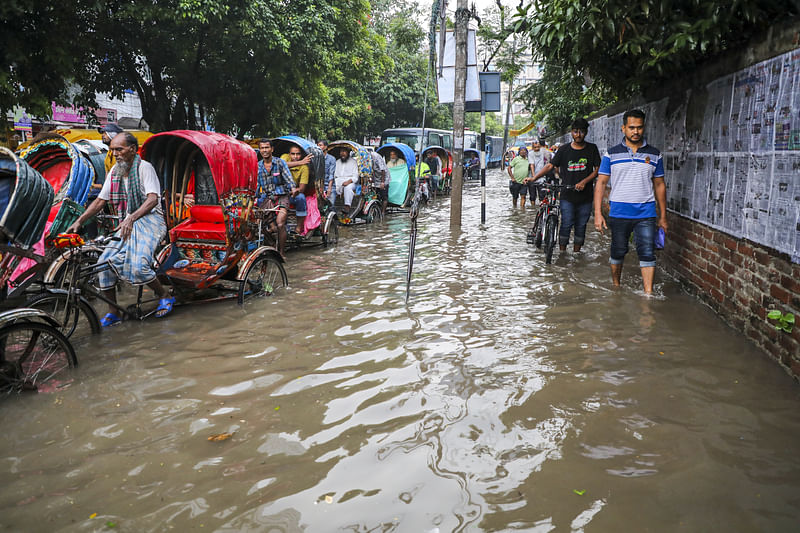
(220, 437)
(328, 499)
(660, 353)
(111, 525)
(579, 492)
(277, 407)
(93, 515)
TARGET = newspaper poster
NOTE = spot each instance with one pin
(759, 185)
(784, 202)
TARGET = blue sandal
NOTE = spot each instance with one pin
(164, 307)
(109, 320)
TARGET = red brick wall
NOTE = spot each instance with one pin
(741, 281)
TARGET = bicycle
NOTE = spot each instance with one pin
(545, 226)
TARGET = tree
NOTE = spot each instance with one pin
(500, 43)
(243, 65)
(397, 97)
(36, 60)
(558, 98)
(248, 66)
(633, 46)
(493, 124)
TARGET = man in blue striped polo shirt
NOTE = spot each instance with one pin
(636, 173)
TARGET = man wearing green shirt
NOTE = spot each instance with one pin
(518, 170)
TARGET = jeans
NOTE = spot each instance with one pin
(299, 204)
(644, 232)
(574, 214)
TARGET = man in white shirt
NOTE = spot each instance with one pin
(133, 190)
(346, 177)
(538, 157)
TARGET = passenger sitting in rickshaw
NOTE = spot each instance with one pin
(435, 165)
(300, 175)
(134, 192)
(395, 160)
(423, 171)
(345, 177)
(275, 188)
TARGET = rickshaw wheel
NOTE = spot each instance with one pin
(331, 237)
(32, 354)
(374, 213)
(76, 320)
(265, 275)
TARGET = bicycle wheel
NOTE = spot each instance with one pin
(264, 276)
(76, 318)
(57, 273)
(550, 238)
(330, 237)
(535, 235)
(374, 213)
(34, 356)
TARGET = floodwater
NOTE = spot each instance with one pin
(506, 395)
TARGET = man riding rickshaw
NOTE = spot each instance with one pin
(134, 192)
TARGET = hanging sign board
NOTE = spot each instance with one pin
(447, 81)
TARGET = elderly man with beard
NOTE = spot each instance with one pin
(346, 178)
(133, 189)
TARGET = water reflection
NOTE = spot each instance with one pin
(506, 395)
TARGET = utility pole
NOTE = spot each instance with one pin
(459, 102)
(483, 154)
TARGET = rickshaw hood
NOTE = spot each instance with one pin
(233, 163)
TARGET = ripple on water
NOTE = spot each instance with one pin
(505, 395)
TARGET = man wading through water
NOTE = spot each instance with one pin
(577, 164)
(636, 172)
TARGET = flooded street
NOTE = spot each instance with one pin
(506, 395)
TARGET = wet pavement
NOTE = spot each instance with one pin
(506, 395)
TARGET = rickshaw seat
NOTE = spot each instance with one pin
(205, 223)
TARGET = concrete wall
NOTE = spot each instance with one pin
(728, 134)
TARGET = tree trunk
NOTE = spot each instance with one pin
(459, 100)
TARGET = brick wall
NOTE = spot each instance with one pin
(740, 280)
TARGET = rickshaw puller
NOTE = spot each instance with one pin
(275, 183)
(134, 192)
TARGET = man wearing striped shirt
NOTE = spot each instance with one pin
(637, 201)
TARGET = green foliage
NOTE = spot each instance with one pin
(396, 97)
(785, 322)
(333, 68)
(38, 56)
(493, 124)
(632, 46)
(561, 96)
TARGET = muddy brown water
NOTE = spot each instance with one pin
(508, 395)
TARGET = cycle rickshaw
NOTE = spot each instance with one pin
(321, 223)
(472, 164)
(212, 253)
(366, 206)
(445, 166)
(401, 186)
(34, 355)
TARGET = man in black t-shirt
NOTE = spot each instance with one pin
(577, 164)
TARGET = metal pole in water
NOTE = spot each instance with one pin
(483, 161)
